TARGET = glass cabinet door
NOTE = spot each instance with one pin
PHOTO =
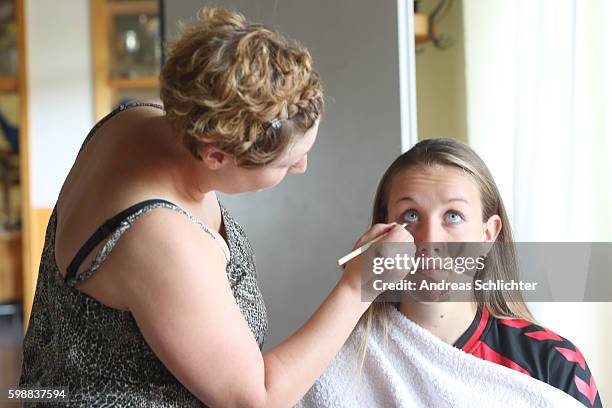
(127, 52)
(134, 39)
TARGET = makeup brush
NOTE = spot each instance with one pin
(362, 248)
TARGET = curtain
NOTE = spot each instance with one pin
(539, 106)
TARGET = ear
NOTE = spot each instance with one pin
(213, 157)
(492, 228)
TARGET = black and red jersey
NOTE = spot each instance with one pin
(533, 350)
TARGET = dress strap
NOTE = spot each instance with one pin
(102, 233)
(115, 227)
(118, 109)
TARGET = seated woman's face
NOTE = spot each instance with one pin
(440, 204)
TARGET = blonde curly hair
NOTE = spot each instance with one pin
(226, 80)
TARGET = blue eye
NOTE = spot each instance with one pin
(411, 216)
(453, 217)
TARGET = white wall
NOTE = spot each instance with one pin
(490, 40)
(60, 100)
(440, 78)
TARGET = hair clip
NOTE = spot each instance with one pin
(275, 123)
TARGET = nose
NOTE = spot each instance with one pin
(428, 249)
(429, 237)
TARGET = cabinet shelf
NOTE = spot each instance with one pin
(133, 7)
(134, 83)
(8, 84)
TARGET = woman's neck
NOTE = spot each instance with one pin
(188, 177)
(446, 320)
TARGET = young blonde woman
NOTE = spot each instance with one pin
(147, 293)
(444, 193)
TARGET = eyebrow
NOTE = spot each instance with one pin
(450, 200)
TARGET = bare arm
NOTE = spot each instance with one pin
(182, 302)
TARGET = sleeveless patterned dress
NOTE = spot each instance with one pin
(98, 352)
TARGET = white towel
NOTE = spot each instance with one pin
(417, 369)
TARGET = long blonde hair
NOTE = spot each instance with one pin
(501, 260)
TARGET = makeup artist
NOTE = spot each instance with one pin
(147, 291)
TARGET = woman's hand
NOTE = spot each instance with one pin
(355, 271)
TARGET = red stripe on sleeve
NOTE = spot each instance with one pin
(588, 390)
(483, 351)
(573, 356)
(544, 335)
(516, 323)
(469, 345)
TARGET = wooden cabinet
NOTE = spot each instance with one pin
(126, 44)
(13, 150)
(11, 282)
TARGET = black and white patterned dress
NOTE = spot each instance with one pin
(98, 352)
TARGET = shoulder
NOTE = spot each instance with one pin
(160, 244)
(547, 356)
(168, 234)
(529, 336)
